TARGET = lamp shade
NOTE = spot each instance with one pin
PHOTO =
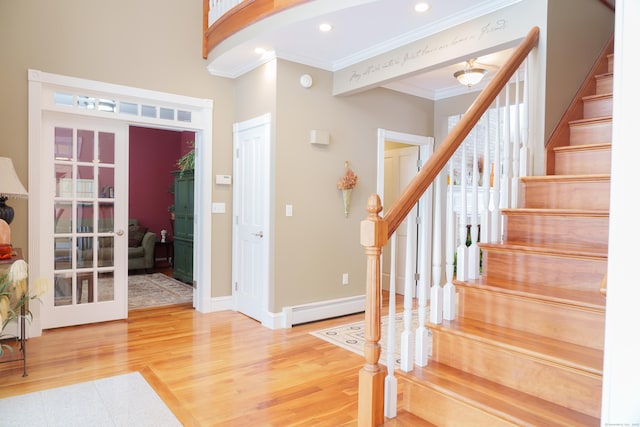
(470, 76)
(10, 185)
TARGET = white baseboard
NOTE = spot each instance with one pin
(221, 303)
(322, 310)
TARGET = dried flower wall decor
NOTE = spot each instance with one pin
(347, 183)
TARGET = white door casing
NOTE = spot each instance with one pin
(403, 167)
(251, 216)
(128, 106)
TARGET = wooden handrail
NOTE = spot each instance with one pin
(416, 188)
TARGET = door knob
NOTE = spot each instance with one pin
(258, 234)
(120, 232)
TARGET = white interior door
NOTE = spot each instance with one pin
(400, 166)
(251, 216)
(85, 169)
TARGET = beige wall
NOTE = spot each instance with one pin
(318, 244)
(148, 44)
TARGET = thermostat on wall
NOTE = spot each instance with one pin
(223, 179)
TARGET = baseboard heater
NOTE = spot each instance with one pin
(321, 310)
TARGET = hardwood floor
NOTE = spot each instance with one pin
(211, 369)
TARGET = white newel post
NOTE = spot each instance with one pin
(390, 381)
(435, 313)
(449, 291)
(407, 344)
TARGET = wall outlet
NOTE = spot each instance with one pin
(345, 278)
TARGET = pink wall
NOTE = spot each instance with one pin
(152, 156)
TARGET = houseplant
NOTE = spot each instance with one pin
(14, 295)
(188, 161)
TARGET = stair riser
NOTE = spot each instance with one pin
(583, 162)
(442, 410)
(584, 274)
(587, 195)
(558, 321)
(590, 133)
(604, 84)
(588, 232)
(597, 107)
(571, 388)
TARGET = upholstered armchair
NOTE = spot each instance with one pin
(141, 247)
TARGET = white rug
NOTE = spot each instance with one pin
(122, 400)
(351, 336)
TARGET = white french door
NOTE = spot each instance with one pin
(85, 174)
(251, 192)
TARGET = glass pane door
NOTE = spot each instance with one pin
(88, 241)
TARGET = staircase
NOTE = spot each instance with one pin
(527, 346)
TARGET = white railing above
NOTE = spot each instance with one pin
(217, 8)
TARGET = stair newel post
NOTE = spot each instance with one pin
(515, 180)
(391, 382)
(449, 290)
(496, 226)
(462, 258)
(407, 351)
(435, 314)
(422, 335)
(473, 250)
(373, 236)
(485, 217)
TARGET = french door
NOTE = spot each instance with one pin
(85, 168)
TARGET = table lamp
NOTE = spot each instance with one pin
(10, 185)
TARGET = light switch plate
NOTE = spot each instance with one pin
(288, 210)
(223, 179)
(218, 207)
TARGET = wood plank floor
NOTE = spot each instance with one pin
(210, 369)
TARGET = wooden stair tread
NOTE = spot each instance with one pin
(607, 74)
(554, 294)
(585, 147)
(566, 178)
(504, 402)
(597, 96)
(557, 250)
(578, 122)
(555, 212)
(556, 352)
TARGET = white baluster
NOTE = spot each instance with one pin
(435, 312)
(485, 218)
(473, 251)
(525, 163)
(390, 381)
(506, 161)
(449, 291)
(515, 180)
(497, 179)
(407, 345)
(462, 253)
(422, 334)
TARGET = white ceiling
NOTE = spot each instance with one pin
(361, 29)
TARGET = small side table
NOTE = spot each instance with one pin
(16, 254)
(163, 252)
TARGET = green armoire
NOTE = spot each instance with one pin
(183, 226)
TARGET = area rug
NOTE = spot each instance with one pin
(351, 336)
(155, 290)
(122, 400)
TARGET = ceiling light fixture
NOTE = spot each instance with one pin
(325, 28)
(470, 75)
(421, 7)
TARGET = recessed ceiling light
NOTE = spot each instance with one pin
(324, 27)
(421, 7)
(259, 50)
